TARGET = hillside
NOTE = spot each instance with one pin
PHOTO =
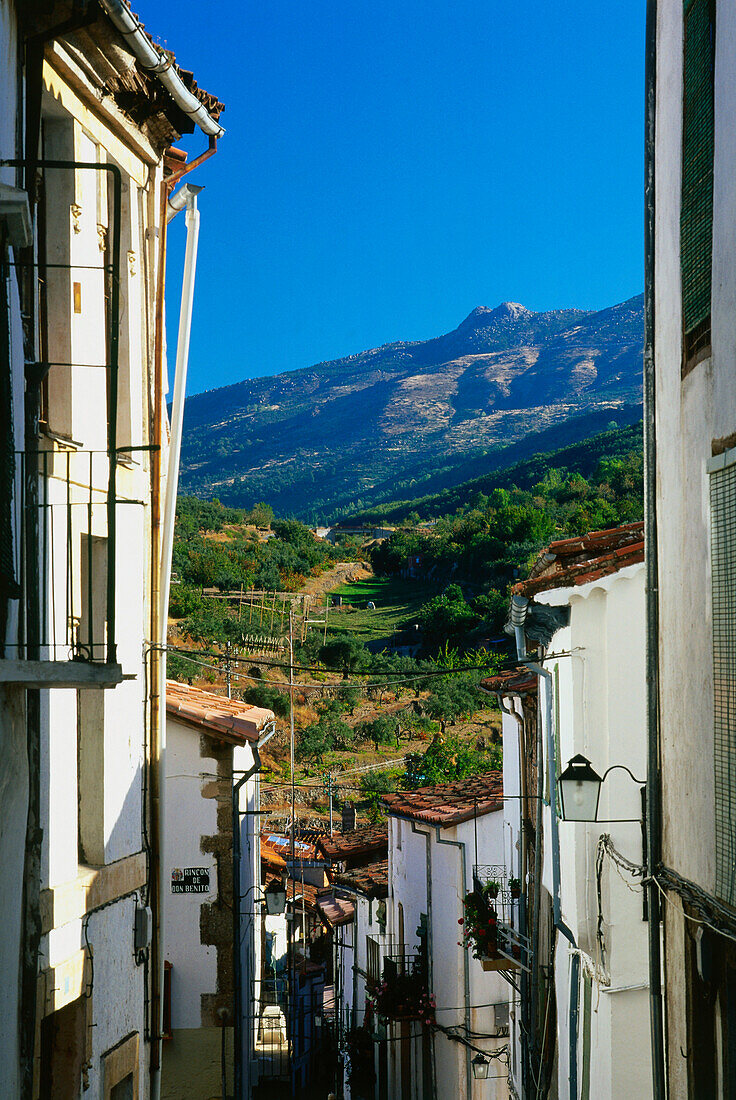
(583, 459)
(408, 418)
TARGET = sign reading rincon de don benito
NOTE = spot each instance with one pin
(190, 880)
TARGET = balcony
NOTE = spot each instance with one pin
(66, 609)
(402, 993)
(495, 909)
(377, 949)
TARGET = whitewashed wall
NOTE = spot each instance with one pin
(408, 878)
(690, 415)
(600, 709)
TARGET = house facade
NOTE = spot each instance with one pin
(579, 622)
(85, 142)
(443, 840)
(212, 779)
(690, 390)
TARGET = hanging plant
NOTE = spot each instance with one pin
(480, 926)
(404, 998)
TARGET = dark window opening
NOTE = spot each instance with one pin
(696, 213)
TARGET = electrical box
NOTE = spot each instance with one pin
(143, 928)
(501, 1016)
(15, 214)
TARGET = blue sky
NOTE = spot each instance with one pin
(388, 166)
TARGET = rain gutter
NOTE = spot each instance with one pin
(519, 605)
(156, 62)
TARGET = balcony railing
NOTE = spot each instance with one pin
(403, 994)
(66, 622)
(377, 948)
(506, 905)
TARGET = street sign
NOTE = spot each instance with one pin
(190, 880)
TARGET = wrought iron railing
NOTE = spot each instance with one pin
(67, 493)
(502, 895)
(377, 948)
(403, 991)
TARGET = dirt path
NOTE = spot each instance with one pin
(341, 573)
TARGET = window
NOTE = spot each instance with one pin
(723, 579)
(696, 212)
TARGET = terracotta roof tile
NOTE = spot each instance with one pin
(513, 681)
(450, 803)
(336, 910)
(371, 880)
(585, 558)
(356, 842)
(230, 719)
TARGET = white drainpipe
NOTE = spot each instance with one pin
(167, 543)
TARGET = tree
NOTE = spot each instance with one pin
(344, 652)
(383, 730)
(269, 697)
(446, 618)
(314, 741)
(261, 515)
(447, 759)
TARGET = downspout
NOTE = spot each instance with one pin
(167, 541)
(653, 788)
(268, 733)
(430, 967)
(524, 791)
(466, 962)
(519, 607)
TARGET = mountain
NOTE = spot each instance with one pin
(347, 434)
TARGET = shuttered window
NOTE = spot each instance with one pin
(696, 215)
(723, 579)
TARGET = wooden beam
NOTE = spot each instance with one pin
(61, 674)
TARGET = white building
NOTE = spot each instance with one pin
(583, 606)
(690, 388)
(438, 838)
(212, 775)
(82, 396)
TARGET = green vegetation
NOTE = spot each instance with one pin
(486, 543)
(448, 759)
(583, 458)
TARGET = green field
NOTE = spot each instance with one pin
(397, 602)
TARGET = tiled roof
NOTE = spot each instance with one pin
(304, 893)
(371, 880)
(279, 844)
(450, 803)
(513, 681)
(356, 842)
(585, 558)
(336, 910)
(230, 719)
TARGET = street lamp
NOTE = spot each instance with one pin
(275, 898)
(580, 789)
(480, 1066)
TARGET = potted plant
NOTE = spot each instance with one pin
(515, 887)
(491, 888)
(480, 931)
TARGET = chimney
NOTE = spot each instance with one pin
(348, 817)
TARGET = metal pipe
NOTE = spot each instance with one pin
(155, 61)
(466, 962)
(430, 967)
(523, 838)
(269, 731)
(167, 543)
(653, 791)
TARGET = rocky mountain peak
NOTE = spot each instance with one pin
(506, 311)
